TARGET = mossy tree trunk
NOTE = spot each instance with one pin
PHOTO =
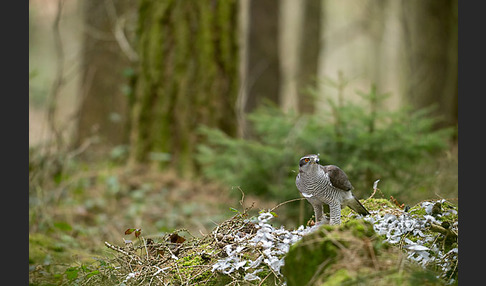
(188, 76)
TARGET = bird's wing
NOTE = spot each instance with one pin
(338, 178)
(356, 206)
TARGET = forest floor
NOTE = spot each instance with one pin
(85, 217)
(75, 206)
(72, 215)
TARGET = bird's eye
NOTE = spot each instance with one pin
(306, 160)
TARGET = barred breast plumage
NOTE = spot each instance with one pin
(326, 185)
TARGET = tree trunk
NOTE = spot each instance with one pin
(430, 56)
(187, 77)
(309, 54)
(299, 47)
(259, 60)
(263, 78)
(103, 109)
(290, 43)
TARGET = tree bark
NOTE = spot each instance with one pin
(188, 76)
(430, 48)
(263, 80)
(299, 46)
(309, 54)
(290, 44)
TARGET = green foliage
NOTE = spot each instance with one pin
(361, 137)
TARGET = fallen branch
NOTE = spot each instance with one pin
(124, 252)
(446, 232)
(293, 200)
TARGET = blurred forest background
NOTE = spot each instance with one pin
(159, 114)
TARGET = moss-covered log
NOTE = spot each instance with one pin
(351, 254)
(188, 76)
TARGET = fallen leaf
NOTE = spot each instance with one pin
(176, 238)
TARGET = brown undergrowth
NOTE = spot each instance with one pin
(177, 258)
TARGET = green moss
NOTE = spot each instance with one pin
(359, 228)
(378, 204)
(319, 250)
(262, 274)
(219, 280)
(43, 247)
(58, 248)
(191, 260)
(417, 210)
(447, 215)
(338, 278)
(423, 277)
(323, 255)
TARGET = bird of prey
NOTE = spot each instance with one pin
(326, 185)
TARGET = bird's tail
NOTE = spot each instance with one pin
(356, 206)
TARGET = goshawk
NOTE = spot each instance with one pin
(326, 185)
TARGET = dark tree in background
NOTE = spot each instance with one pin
(106, 55)
(280, 48)
(309, 54)
(429, 44)
(263, 79)
(187, 76)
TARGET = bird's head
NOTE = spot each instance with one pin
(308, 161)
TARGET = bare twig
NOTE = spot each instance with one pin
(279, 205)
(120, 37)
(124, 252)
(375, 188)
(371, 250)
(82, 148)
(242, 195)
(261, 282)
(318, 271)
(58, 81)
